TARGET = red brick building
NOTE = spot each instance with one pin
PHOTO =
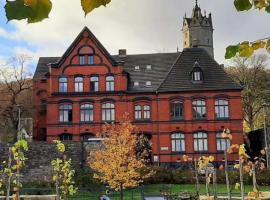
(181, 100)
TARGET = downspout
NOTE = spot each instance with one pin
(158, 145)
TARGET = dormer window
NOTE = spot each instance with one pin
(197, 76)
(136, 84)
(197, 73)
(148, 84)
(137, 68)
(148, 67)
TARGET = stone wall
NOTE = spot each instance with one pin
(38, 165)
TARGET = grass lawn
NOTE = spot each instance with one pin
(136, 194)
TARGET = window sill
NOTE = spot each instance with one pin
(65, 123)
(105, 121)
(199, 119)
(220, 151)
(201, 152)
(223, 119)
(90, 122)
(178, 152)
(177, 120)
(142, 120)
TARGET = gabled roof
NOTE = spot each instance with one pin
(160, 63)
(76, 41)
(42, 66)
(178, 78)
(170, 72)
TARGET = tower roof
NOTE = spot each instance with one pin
(196, 11)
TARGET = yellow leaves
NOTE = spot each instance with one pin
(268, 45)
(204, 161)
(245, 50)
(255, 194)
(89, 5)
(237, 186)
(236, 166)
(62, 172)
(258, 44)
(60, 146)
(117, 164)
(260, 4)
(242, 152)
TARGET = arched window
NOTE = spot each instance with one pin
(65, 113)
(177, 110)
(63, 84)
(200, 141)
(86, 55)
(94, 83)
(199, 109)
(86, 136)
(87, 112)
(108, 112)
(138, 112)
(222, 143)
(65, 137)
(109, 83)
(146, 112)
(178, 142)
(79, 84)
(222, 108)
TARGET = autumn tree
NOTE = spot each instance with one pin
(251, 74)
(16, 90)
(63, 174)
(117, 164)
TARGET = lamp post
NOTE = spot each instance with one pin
(265, 136)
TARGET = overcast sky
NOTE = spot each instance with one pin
(140, 26)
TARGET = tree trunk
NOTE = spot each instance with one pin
(121, 192)
(206, 182)
(227, 175)
(215, 184)
(197, 185)
(241, 178)
(254, 180)
(57, 190)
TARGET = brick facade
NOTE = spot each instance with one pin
(162, 80)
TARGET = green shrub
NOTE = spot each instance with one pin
(84, 178)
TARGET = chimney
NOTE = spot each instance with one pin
(122, 53)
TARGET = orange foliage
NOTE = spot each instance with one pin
(116, 164)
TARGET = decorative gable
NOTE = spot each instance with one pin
(85, 50)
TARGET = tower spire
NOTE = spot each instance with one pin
(196, 2)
